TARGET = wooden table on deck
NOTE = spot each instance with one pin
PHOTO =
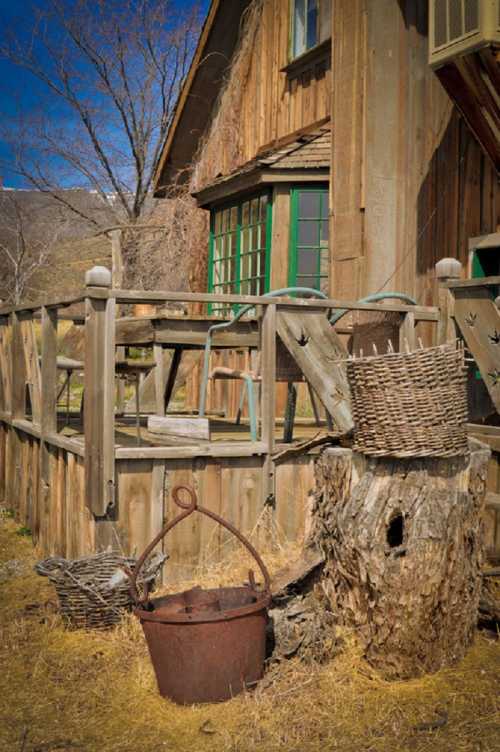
(180, 333)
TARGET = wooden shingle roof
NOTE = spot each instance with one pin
(307, 152)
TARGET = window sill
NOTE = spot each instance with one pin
(321, 53)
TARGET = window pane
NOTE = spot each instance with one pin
(307, 262)
(245, 213)
(245, 240)
(312, 23)
(254, 211)
(309, 204)
(324, 204)
(307, 282)
(324, 231)
(263, 208)
(299, 27)
(308, 233)
(217, 223)
(234, 217)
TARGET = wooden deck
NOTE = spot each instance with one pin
(86, 486)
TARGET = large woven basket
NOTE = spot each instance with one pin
(93, 591)
(410, 404)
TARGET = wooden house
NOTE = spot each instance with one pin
(296, 112)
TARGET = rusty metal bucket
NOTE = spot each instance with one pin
(205, 645)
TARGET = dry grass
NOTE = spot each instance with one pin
(66, 690)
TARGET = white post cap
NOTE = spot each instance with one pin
(448, 268)
(98, 276)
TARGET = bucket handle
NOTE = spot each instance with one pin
(189, 508)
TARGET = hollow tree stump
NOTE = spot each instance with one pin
(403, 546)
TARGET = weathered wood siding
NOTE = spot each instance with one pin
(230, 487)
(411, 184)
(59, 520)
(260, 103)
(62, 524)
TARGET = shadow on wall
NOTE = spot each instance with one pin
(415, 13)
(459, 198)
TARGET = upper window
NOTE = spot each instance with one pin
(311, 24)
(239, 248)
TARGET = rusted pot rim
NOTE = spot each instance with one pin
(206, 616)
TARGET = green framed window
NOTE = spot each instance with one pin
(239, 255)
(309, 248)
(310, 24)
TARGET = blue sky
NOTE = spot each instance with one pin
(18, 88)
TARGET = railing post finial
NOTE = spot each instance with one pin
(98, 276)
(448, 268)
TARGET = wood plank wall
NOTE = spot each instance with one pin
(411, 184)
(261, 103)
(60, 522)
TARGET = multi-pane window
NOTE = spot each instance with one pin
(309, 253)
(239, 247)
(311, 24)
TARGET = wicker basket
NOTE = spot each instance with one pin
(93, 591)
(410, 405)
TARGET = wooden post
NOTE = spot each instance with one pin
(48, 411)
(18, 379)
(99, 393)
(159, 377)
(407, 333)
(117, 282)
(268, 392)
(4, 365)
(49, 371)
(446, 270)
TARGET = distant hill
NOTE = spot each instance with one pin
(72, 240)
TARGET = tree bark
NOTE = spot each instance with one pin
(403, 546)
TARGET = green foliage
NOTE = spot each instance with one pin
(23, 530)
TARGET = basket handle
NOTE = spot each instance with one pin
(189, 508)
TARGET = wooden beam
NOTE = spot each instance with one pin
(99, 403)
(159, 377)
(59, 302)
(320, 355)
(49, 371)
(407, 333)
(172, 375)
(268, 398)
(18, 368)
(210, 449)
(32, 366)
(422, 313)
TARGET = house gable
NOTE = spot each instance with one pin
(259, 99)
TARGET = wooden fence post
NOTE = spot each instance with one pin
(446, 269)
(268, 398)
(18, 379)
(48, 422)
(99, 396)
(407, 332)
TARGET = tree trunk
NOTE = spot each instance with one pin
(403, 545)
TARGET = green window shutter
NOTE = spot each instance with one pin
(309, 246)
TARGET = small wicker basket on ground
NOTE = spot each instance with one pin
(410, 404)
(93, 592)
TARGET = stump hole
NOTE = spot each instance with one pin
(395, 531)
